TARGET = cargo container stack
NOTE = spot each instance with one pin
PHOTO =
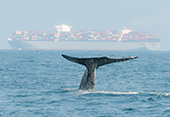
(87, 35)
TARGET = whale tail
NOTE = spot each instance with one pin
(88, 79)
(100, 61)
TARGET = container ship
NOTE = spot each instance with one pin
(65, 39)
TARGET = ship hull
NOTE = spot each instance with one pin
(83, 45)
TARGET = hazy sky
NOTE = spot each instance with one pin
(43, 15)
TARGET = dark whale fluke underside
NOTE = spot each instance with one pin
(88, 79)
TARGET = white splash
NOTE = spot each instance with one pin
(122, 93)
(82, 92)
(106, 92)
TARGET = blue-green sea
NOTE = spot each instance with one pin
(44, 84)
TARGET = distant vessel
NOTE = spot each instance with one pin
(65, 39)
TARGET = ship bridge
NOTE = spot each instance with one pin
(62, 28)
(126, 30)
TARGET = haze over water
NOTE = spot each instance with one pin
(139, 15)
(42, 83)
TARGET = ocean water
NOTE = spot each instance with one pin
(44, 84)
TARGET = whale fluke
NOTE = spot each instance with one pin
(88, 80)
